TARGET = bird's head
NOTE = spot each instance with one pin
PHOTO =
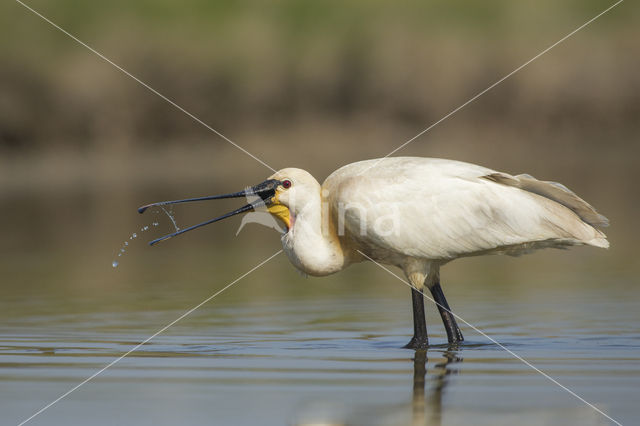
(283, 194)
(296, 189)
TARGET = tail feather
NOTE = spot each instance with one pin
(562, 195)
(554, 191)
(599, 242)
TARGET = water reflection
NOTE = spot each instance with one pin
(422, 407)
(427, 409)
(297, 372)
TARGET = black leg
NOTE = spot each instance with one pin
(420, 339)
(453, 332)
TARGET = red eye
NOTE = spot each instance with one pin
(286, 183)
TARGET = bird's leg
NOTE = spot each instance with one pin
(420, 339)
(454, 334)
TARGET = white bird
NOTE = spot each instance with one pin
(417, 214)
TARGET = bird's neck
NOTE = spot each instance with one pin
(312, 243)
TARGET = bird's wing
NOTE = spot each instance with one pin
(442, 209)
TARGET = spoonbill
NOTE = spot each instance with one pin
(417, 214)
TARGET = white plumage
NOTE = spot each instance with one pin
(417, 214)
(436, 210)
(420, 213)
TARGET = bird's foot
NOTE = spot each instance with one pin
(417, 343)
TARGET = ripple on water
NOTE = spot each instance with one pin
(305, 353)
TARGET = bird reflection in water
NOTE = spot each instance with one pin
(423, 408)
(427, 409)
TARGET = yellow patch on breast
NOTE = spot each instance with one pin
(282, 213)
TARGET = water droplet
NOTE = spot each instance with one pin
(122, 250)
(119, 254)
(135, 235)
(126, 243)
(114, 264)
(145, 228)
(155, 223)
(171, 217)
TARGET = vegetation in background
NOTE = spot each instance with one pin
(298, 83)
(254, 65)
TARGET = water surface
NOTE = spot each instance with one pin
(323, 360)
(278, 348)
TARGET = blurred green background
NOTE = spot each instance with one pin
(308, 84)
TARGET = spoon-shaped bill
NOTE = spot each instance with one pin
(188, 200)
(263, 194)
(243, 209)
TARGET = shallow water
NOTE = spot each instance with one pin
(323, 360)
(278, 348)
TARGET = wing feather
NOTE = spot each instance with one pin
(443, 209)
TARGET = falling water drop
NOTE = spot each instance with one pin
(134, 235)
